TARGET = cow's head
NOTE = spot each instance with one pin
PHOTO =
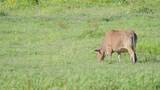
(100, 54)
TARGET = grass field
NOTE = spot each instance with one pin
(51, 46)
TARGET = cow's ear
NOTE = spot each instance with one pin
(97, 50)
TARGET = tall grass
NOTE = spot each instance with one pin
(48, 7)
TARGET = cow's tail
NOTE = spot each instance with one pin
(134, 40)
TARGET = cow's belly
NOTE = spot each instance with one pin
(120, 50)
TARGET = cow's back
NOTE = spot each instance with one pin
(118, 39)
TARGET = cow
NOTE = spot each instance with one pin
(119, 41)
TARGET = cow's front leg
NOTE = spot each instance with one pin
(110, 56)
(119, 57)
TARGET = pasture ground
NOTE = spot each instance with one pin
(52, 47)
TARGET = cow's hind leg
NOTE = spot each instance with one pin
(132, 55)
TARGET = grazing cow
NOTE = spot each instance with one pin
(118, 41)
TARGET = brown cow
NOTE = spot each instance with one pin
(118, 41)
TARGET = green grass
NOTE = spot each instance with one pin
(54, 49)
